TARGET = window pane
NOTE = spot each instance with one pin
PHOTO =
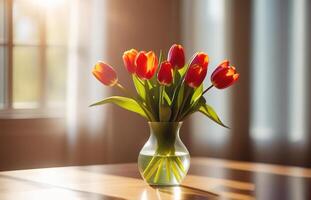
(57, 23)
(2, 76)
(26, 77)
(56, 76)
(25, 22)
(2, 22)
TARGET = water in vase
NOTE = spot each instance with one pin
(163, 169)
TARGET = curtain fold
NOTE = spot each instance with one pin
(280, 106)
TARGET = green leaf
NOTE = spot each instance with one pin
(197, 94)
(210, 113)
(150, 100)
(167, 98)
(183, 70)
(123, 102)
(192, 108)
(177, 77)
(140, 88)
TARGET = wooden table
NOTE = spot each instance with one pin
(208, 178)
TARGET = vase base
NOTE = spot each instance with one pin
(163, 186)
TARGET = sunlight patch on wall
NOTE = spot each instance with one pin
(72, 79)
(86, 47)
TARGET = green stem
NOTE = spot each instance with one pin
(150, 164)
(195, 103)
(175, 171)
(179, 111)
(156, 177)
(180, 165)
(168, 169)
(148, 102)
(160, 101)
(207, 89)
(172, 164)
(153, 169)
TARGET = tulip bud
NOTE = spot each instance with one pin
(105, 74)
(195, 75)
(224, 75)
(197, 70)
(165, 74)
(176, 56)
(146, 64)
(129, 60)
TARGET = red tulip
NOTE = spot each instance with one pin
(146, 64)
(224, 75)
(105, 74)
(200, 59)
(195, 75)
(129, 60)
(165, 74)
(197, 70)
(176, 56)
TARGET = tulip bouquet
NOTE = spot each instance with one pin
(167, 90)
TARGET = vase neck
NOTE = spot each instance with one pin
(165, 129)
(166, 135)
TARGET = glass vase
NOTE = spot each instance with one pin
(164, 160)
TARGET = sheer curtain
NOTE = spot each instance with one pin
(85, 126)
(269, 108)
(281, 77)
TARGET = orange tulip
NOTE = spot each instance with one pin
(146, 64)
(129, 60)
(176, 56)
(224, 75)
(165, 74)
(105, 74)
(197, 70)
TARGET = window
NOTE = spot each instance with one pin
(33, 56)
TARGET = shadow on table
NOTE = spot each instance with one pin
(186, 192)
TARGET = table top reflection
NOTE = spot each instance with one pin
(208, 178)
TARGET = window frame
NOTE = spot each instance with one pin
(42, 111)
